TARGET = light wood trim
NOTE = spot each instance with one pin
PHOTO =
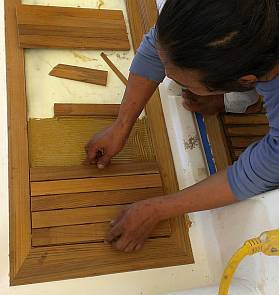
(74, 172)
(98, 110)
(218, 141)
(81, 74)
(95, 184)
(84, 234)
(68, 201)
(20, 221)
(64, 27)
(114, 69)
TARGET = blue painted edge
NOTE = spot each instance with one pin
(206, 144)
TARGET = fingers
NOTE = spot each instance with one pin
(103, 161)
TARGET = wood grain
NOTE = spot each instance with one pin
(98, 110)
(73, 172)
(84, 234)
(91, 76)
(61, 141)
(94, 184)
(218, 142)
(259, 130)
(19, 192)
(75, 216)
(80, 200)
(64, 27)
(243, 142)
(114, 68)
(245, 119)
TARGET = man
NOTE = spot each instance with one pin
(210, 47)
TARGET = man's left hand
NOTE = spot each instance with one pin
(134, 225)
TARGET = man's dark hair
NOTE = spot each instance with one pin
(224, 39)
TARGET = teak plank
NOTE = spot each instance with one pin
(245, 119)
(81, 74)
(218, 141)
(68, 201)
(259, 130)
(73, 172)
(100, 110)
(84, 234)
(75, 216)
(95, 184)
(243, 141)
(19, 192)
(64, 27)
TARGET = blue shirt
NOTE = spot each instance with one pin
(257, 169)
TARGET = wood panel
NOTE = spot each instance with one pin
(243, 142)
(253, 130)
(19, 193)
(99, 110)
(245, 119)
(61, 141)
(84, 234)
(75, 216)
(94, 184)
(73, 172)
(87, 75)
(68, 201)
(64, 27)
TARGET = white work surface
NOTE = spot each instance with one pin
(209, 228)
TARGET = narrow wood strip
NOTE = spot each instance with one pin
(259, 130)
(218, 142)
(19, 191)
(74, 172)
(245, 119)
(84, 234)
(70, 201)
(95, 184)
(243, 142)
(75, 216)
(98, 110)
(237, 153)
(114, 68)
(64, 42)
(81, 74)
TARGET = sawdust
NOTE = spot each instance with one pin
(191, 143)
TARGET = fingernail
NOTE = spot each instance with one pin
(100, 166)
(112, 222)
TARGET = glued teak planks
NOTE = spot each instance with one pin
(80, 74)
(65, 27)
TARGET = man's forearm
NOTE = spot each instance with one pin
(138, 92)
(214, 192)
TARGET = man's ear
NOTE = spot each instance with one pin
(248, 80)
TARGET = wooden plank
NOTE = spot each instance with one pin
(81, 74)
(84, 234)
(114, 68)
(19, 192)
(243, 141)
(259, 130)
(70, 201)
(61, 142)
(75, 216)
(64, 27)
(119, 169)
(245, 119)
(100, 110)
(95, 184)
(237, 153)
(218, 142)
(83, 260)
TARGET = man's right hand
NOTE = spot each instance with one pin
(106, 144)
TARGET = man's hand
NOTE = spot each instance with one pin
(134, 225)
(207, 105)
(106, 144)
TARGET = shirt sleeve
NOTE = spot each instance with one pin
(147, 62)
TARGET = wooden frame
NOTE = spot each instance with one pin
(39, 264)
